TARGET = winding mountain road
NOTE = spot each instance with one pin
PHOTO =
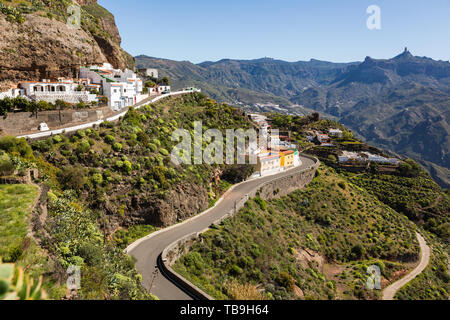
(389, 292)
(148, 249)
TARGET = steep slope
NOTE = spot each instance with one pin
(312, 244)
(37, 42)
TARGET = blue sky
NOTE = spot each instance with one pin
(292, 30)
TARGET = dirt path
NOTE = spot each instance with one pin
(435, 203)
(389, 292)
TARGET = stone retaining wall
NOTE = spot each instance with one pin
(26, 122)
(270, 190)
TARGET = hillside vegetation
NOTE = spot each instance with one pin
(108, 186)
(326, 236)
(126, 171)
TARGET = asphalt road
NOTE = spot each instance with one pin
(389, 292)
(147, 250)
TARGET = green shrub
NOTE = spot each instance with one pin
(117, 147)
(110, 139)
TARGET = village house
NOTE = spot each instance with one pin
(297, 161)
(122, 88)
(13, 92)
(323, 138)
(348, 156)
(268, 163)
(159, 89)
(336, 133)
(149, 72)
(61, 89)
(287, 159)
(380, 159)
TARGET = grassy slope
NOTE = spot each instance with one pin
(341, 222)
(143, 136)
(16, 203)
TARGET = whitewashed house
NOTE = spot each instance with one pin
(12, 93)
(122, 88)
(381, 159)
(336, 133)
(150, 72)
(50, 91)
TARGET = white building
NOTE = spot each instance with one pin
(159, 89)
(122, 88)
(381, 159)
(12, 93)
(50, 91)
(150, 72)
(350, 156)
(336, 133)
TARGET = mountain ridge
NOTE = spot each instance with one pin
(354, 93)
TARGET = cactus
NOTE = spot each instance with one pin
(15, 285)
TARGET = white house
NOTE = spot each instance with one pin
(159, 89)
(350, 156)
(381, 159)
(336, 133)
(150, 72)
(50, 91)
(12, 93)
(122, 88)
(268, 163)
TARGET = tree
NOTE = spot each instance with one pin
(61, 105)
(73, 178)
(12, 145)
(237, 173)
(164, 81)
(149, 84)
(6, 165)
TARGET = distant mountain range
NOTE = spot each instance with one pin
(401, 104)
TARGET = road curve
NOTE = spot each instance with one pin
(389, 292)
(147, 250)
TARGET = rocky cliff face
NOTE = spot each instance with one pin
(44, 46)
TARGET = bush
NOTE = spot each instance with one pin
(285, 280)
(164, 152)
(127, 166)
(6, 165)
(13, 145)
(236, 271)
(73, 178)
(110, 139)
(84, 146)
(97, 178)
(57, 139)
(117, 147)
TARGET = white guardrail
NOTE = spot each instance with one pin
(92, 124)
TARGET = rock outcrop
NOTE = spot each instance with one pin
(44, 46)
